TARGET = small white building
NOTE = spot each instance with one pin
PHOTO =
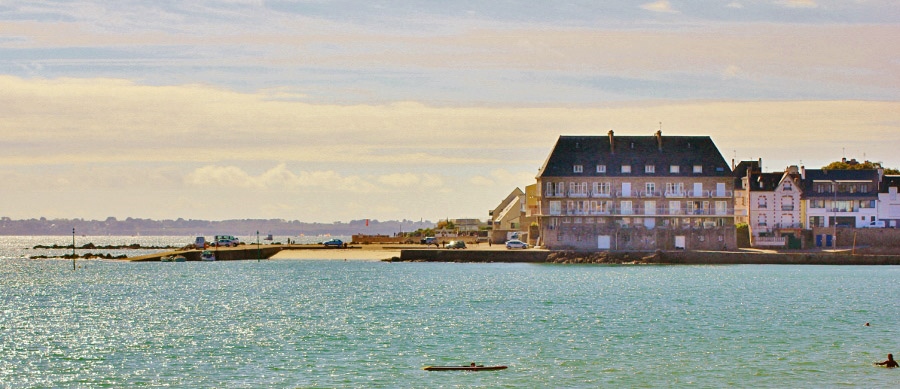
(889, 201)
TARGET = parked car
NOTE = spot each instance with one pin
(200, 243)
(875, 224)
(227, 240)
(456, 244)
(226, 243)
(516, 244)
(333, 243)
(429, 240)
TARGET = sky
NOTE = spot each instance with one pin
(324, 111)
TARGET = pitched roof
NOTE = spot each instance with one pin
(740, 171)
(769, 181)
(637, 151)
(841, 175)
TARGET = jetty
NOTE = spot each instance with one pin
(241, 252)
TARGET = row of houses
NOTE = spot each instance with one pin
(678, 192)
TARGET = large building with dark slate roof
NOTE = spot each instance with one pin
(636, 193)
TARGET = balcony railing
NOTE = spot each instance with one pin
(787, 207)
(675, 194)
(601, 194)
(642, 211)
(698, 193)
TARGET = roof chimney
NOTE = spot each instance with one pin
(659, 140)
(802, 172)
(612, 143)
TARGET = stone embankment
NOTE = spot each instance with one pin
(657, 257)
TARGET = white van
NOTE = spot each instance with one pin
(200, 242)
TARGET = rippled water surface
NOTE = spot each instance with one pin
(293, 323)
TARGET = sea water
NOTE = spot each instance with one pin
(319, 323)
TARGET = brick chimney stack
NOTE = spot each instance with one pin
(612, 142)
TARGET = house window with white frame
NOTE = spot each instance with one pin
(601, 168)
(578, 168)
(556, 207)
(626, 168)
(674, 169)
(649, 169)
(650, 189)
(698, 168)
(601, 189)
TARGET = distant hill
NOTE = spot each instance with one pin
(181, 227)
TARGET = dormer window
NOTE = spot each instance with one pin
(578, 168)
(698, 168)
(626, 168)
(649, 169)
(601, 168)
(674, 169)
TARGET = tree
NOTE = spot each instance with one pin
(448, 224)
(853, 165)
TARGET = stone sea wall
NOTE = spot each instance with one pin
(655, 257)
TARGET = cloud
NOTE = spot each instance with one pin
(411, 181)
(735, 4)
(799, 3)
(504, 179)
(659, 6)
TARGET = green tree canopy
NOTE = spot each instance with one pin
(853, 165)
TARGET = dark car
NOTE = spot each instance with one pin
(333, 243)
(456, 244)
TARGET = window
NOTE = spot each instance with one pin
(762, 202)
(560, 189)
(601, 168)
(787, 203)
(626, 207)
(674, 169)
(761, 220)
(721, 207)
(674, 207)
(626, 168)
(555, 207)
(674, 189)
(649, 169)
(698, 168)
(788, 185)
(601, 189)
(650, 207)
(578, 168)
(650, 189)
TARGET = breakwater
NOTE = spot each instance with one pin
(655, 257)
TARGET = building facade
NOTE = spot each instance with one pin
(889, 201)
(840, 198)
(774, 204)
(636, 193)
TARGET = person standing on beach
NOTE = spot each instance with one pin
(890, 362)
